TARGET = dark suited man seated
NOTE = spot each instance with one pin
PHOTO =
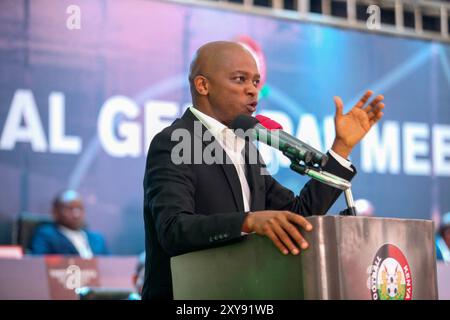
(68, 234)
(191, 206)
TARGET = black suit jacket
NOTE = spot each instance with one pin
(189, 207)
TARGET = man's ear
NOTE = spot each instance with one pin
(201, 85)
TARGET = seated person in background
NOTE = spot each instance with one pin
(67, 235)
(443, 239)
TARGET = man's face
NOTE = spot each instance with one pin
(234, 85)
(70, 214)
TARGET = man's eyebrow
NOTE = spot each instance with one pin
(257, 75)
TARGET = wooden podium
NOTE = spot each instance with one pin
(348, 258)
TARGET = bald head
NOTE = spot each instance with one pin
(224, 80)
(68, 210)
(212, 57)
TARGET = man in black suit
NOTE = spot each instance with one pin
(190, 206)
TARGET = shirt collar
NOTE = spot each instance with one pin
(70, 231)
(213, 125)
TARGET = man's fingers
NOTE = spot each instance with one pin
(364, 99)
(339, 106)
(299, 220)
(302, 222)
(376, 118)
(374, 104)
(283, 236)
(272, 236)
(282, 227)
(374, 113)
(295, 234)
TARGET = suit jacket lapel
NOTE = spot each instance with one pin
(68, 244)
(235, 184)
(91, 242)
(227, 165)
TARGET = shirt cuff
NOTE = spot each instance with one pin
(343, 162)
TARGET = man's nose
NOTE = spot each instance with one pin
(251, 90)
(76, 212)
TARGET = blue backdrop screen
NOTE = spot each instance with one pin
(81, 100)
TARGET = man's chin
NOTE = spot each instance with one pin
(243, 112)
(74, 227)
(247, 112)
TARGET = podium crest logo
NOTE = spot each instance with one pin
(390, 277)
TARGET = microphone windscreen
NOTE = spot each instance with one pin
(268, 123)
(244, 122)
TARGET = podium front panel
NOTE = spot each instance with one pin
(250, 269)
(370, 258)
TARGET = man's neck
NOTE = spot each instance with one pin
(65, 228)
(209, 112)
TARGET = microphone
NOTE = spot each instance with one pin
(264, 127)
(273, 136)
(268, 123)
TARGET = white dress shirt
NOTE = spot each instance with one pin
(79, 240)
(233, 146)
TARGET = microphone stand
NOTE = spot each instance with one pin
(328, 179)
(320, 175)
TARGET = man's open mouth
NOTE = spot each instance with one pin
(251, 107)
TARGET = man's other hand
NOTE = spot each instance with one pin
(281, 227)
(354, 125)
